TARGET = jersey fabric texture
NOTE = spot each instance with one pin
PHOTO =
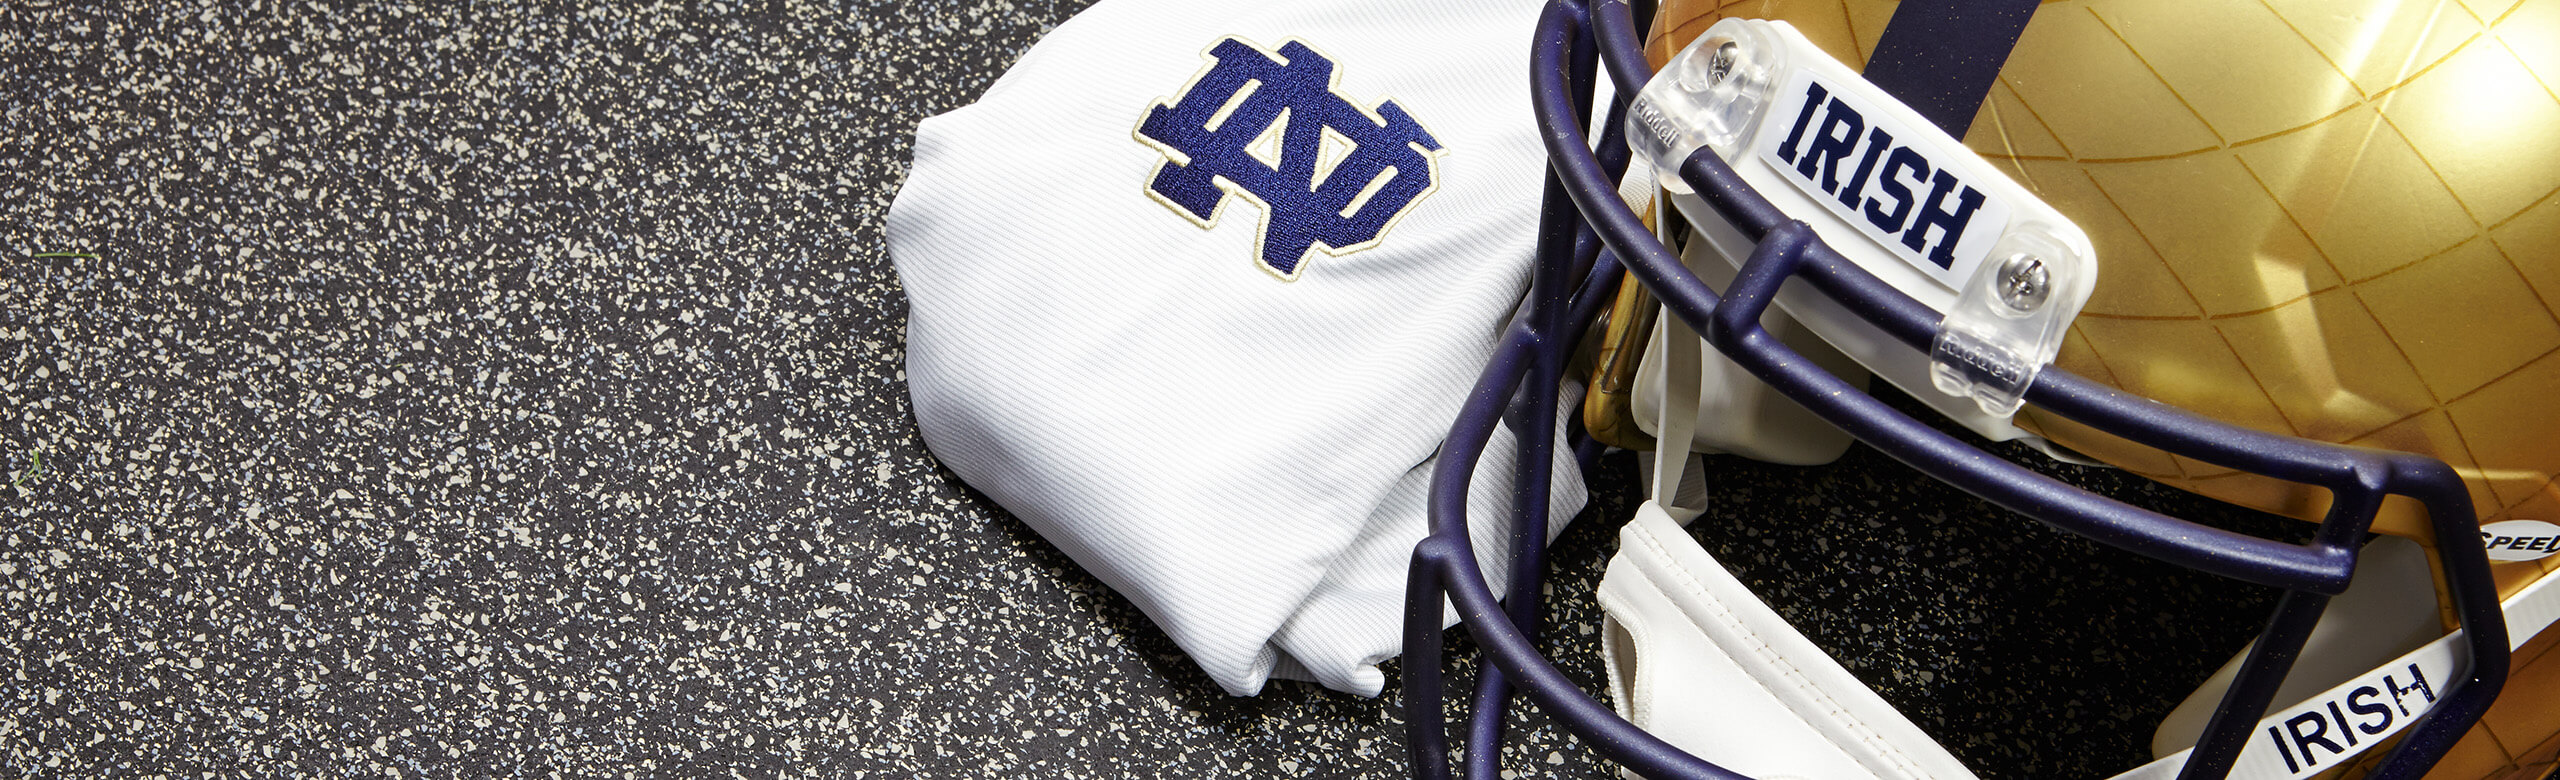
(1195, 289)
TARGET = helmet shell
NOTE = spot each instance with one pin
(2329, 219)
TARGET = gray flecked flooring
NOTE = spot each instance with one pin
(515, 390)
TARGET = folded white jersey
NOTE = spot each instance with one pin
(1195, 289)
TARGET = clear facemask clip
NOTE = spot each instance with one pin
(2008, 320)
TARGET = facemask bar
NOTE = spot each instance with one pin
(1444, 564)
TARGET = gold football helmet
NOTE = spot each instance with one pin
(2332, 219)
(2325, 223)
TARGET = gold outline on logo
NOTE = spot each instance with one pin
(1333, 85)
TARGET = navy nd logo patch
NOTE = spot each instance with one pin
(1328, 173)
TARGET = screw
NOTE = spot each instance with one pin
(2024, 282)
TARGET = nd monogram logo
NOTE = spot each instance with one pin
(1328, 173)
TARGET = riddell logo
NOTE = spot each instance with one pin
(2520, 540)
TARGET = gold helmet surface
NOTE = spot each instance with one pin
(2332, 219)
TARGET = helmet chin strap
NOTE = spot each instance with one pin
(1940, 57)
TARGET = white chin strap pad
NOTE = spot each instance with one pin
(1697, 660)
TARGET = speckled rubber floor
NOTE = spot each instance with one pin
(397, 390)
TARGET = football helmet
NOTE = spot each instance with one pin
(2297, 256)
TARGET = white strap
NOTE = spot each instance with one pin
(1676, 418)
(1676, 421)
